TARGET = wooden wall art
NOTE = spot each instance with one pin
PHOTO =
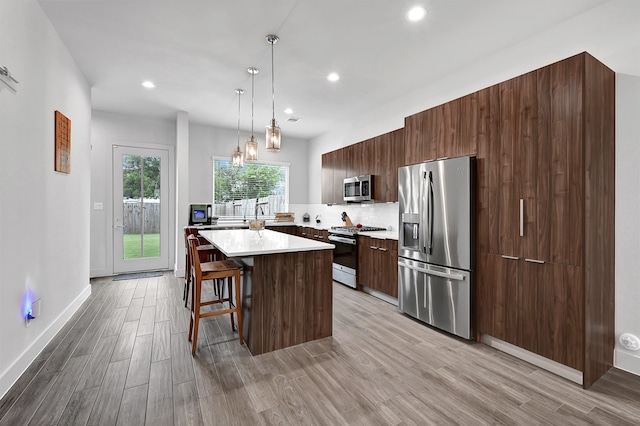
(63, 143)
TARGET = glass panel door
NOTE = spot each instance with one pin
(140, 221)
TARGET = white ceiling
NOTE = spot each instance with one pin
(197, 52)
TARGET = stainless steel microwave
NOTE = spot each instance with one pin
(358, 189)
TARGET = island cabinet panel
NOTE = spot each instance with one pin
(286, 229)
(546, 161)
(289, 299)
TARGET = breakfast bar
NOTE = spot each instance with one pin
(286, 286)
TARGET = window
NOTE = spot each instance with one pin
(235, 191)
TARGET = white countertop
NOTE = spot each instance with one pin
(383, 235)
(245, 242)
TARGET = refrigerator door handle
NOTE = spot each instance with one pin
(430, 214)
(456, 277)
(423, 202)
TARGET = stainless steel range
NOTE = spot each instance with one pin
(345, 255)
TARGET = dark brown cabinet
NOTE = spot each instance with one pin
(545, 158)
(378, 264)
(380, 157)
(333, 174)
(286, 229)
(420, 137)
(530, 309)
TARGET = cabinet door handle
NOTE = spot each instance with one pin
(522, 217)
(382, 249)
(373, 248)
(510, 257)
(534, 260)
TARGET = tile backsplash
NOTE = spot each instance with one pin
(384, 215)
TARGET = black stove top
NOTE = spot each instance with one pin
(354, 229)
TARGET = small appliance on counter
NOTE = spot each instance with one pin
(201, 214)
(306, 217)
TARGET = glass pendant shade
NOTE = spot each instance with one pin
(272, 136)
(251, 149)
(237, 159)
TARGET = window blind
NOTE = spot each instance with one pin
(237, 190)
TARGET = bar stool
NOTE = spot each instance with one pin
(206, 252)
(212, 271)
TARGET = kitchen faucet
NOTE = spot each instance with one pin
(259, 206)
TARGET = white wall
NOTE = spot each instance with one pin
(205, 142)
(44, 215)
(108, 129)
(596, 32)
(627, 223)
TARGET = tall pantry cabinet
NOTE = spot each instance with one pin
(545, 222)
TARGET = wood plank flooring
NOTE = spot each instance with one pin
(124, 359)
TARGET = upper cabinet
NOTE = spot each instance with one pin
(380, 157)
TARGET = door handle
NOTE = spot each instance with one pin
(510, 257)
(534, 260)
(522, 217)
(456, 277)
(119, 226)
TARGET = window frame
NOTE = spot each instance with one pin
(271, 215)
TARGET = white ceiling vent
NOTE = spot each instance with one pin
(293, 119)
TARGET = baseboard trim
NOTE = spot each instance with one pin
(627, 361)
(19, 366)
(380, 295)
(535, 359)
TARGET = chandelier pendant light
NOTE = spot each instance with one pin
(237, 157)
(273, 136)
(251, 147)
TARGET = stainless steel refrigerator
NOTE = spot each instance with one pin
(435, 244)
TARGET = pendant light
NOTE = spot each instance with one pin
(237, 158)
(273, 131)
(251, 147)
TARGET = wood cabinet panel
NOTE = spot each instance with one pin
(567, 196)
(378, 264)
(499, 313)
(552, 311)
(339, 174)
(420, 137)
(328, 166)
(599, 200)
(458, 122)
(303, 313)
(556, 151)
(355, 159)
(387, 151)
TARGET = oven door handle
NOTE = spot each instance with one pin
(342, 240)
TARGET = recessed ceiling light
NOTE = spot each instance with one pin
(288, 111)
(148, 84)
(333, 77)
(416, 13)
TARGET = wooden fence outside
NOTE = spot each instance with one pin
(134, 219)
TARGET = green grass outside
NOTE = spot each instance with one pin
(132, 245)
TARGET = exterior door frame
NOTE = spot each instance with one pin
(121, 265)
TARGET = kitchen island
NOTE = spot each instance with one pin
(286, 286)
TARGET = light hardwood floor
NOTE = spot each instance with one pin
(124, 359)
